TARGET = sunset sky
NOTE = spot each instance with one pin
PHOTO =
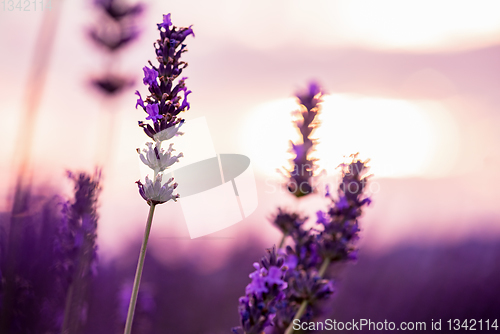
(412, 85)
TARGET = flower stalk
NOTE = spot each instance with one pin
(138, 273)
(303, 307)
(167, 98)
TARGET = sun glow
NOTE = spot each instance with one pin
(401, 138)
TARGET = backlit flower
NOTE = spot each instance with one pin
(158, 160)
(152, 110)
(155, 192)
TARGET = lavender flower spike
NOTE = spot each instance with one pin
(300, 183)
(76, 247)
(167, 92)
(162, 105)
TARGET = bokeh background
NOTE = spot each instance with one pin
(412, 85)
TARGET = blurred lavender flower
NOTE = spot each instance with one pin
(257, 307)
(117, 26)
(111, 84)
(300, 181)
(288, 223)
(340, 223)
(313, 249)
(115, 29)
(56, 258)
(76, 249)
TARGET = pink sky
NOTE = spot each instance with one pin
(247, 54)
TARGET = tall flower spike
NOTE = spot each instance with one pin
(115, 29)
(167, 93)
(162, 105)
(300, 182)
(76, 247)
(167, 98)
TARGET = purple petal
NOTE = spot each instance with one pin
(139, 100)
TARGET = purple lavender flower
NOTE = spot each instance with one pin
(112, 84)
(165, 92)
(166, 22)
(76, 247)
(119, 10)
(308, 286)
(150, 76)
(300, 182)
(167, 98)
(117, 26)
(305, 288)
(287, 222)
(340, 224)
(139, 100)
(257, 307)
(152, 110)
(314, 250)
(115, 29)
(162, 106)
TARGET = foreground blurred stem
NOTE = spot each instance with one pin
(138, 273)
(75, 298)
(303, 306)
(39, 67)
(282, 242)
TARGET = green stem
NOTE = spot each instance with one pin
(303, 306)
(138, 273)
(298, 315)
(323, 268)
(282, 242)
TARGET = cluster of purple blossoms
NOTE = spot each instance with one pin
(300, 182)
(115, 29)
(312, 250)
(78, 225)
(340, 222)
(258, 307)
(166, 100)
